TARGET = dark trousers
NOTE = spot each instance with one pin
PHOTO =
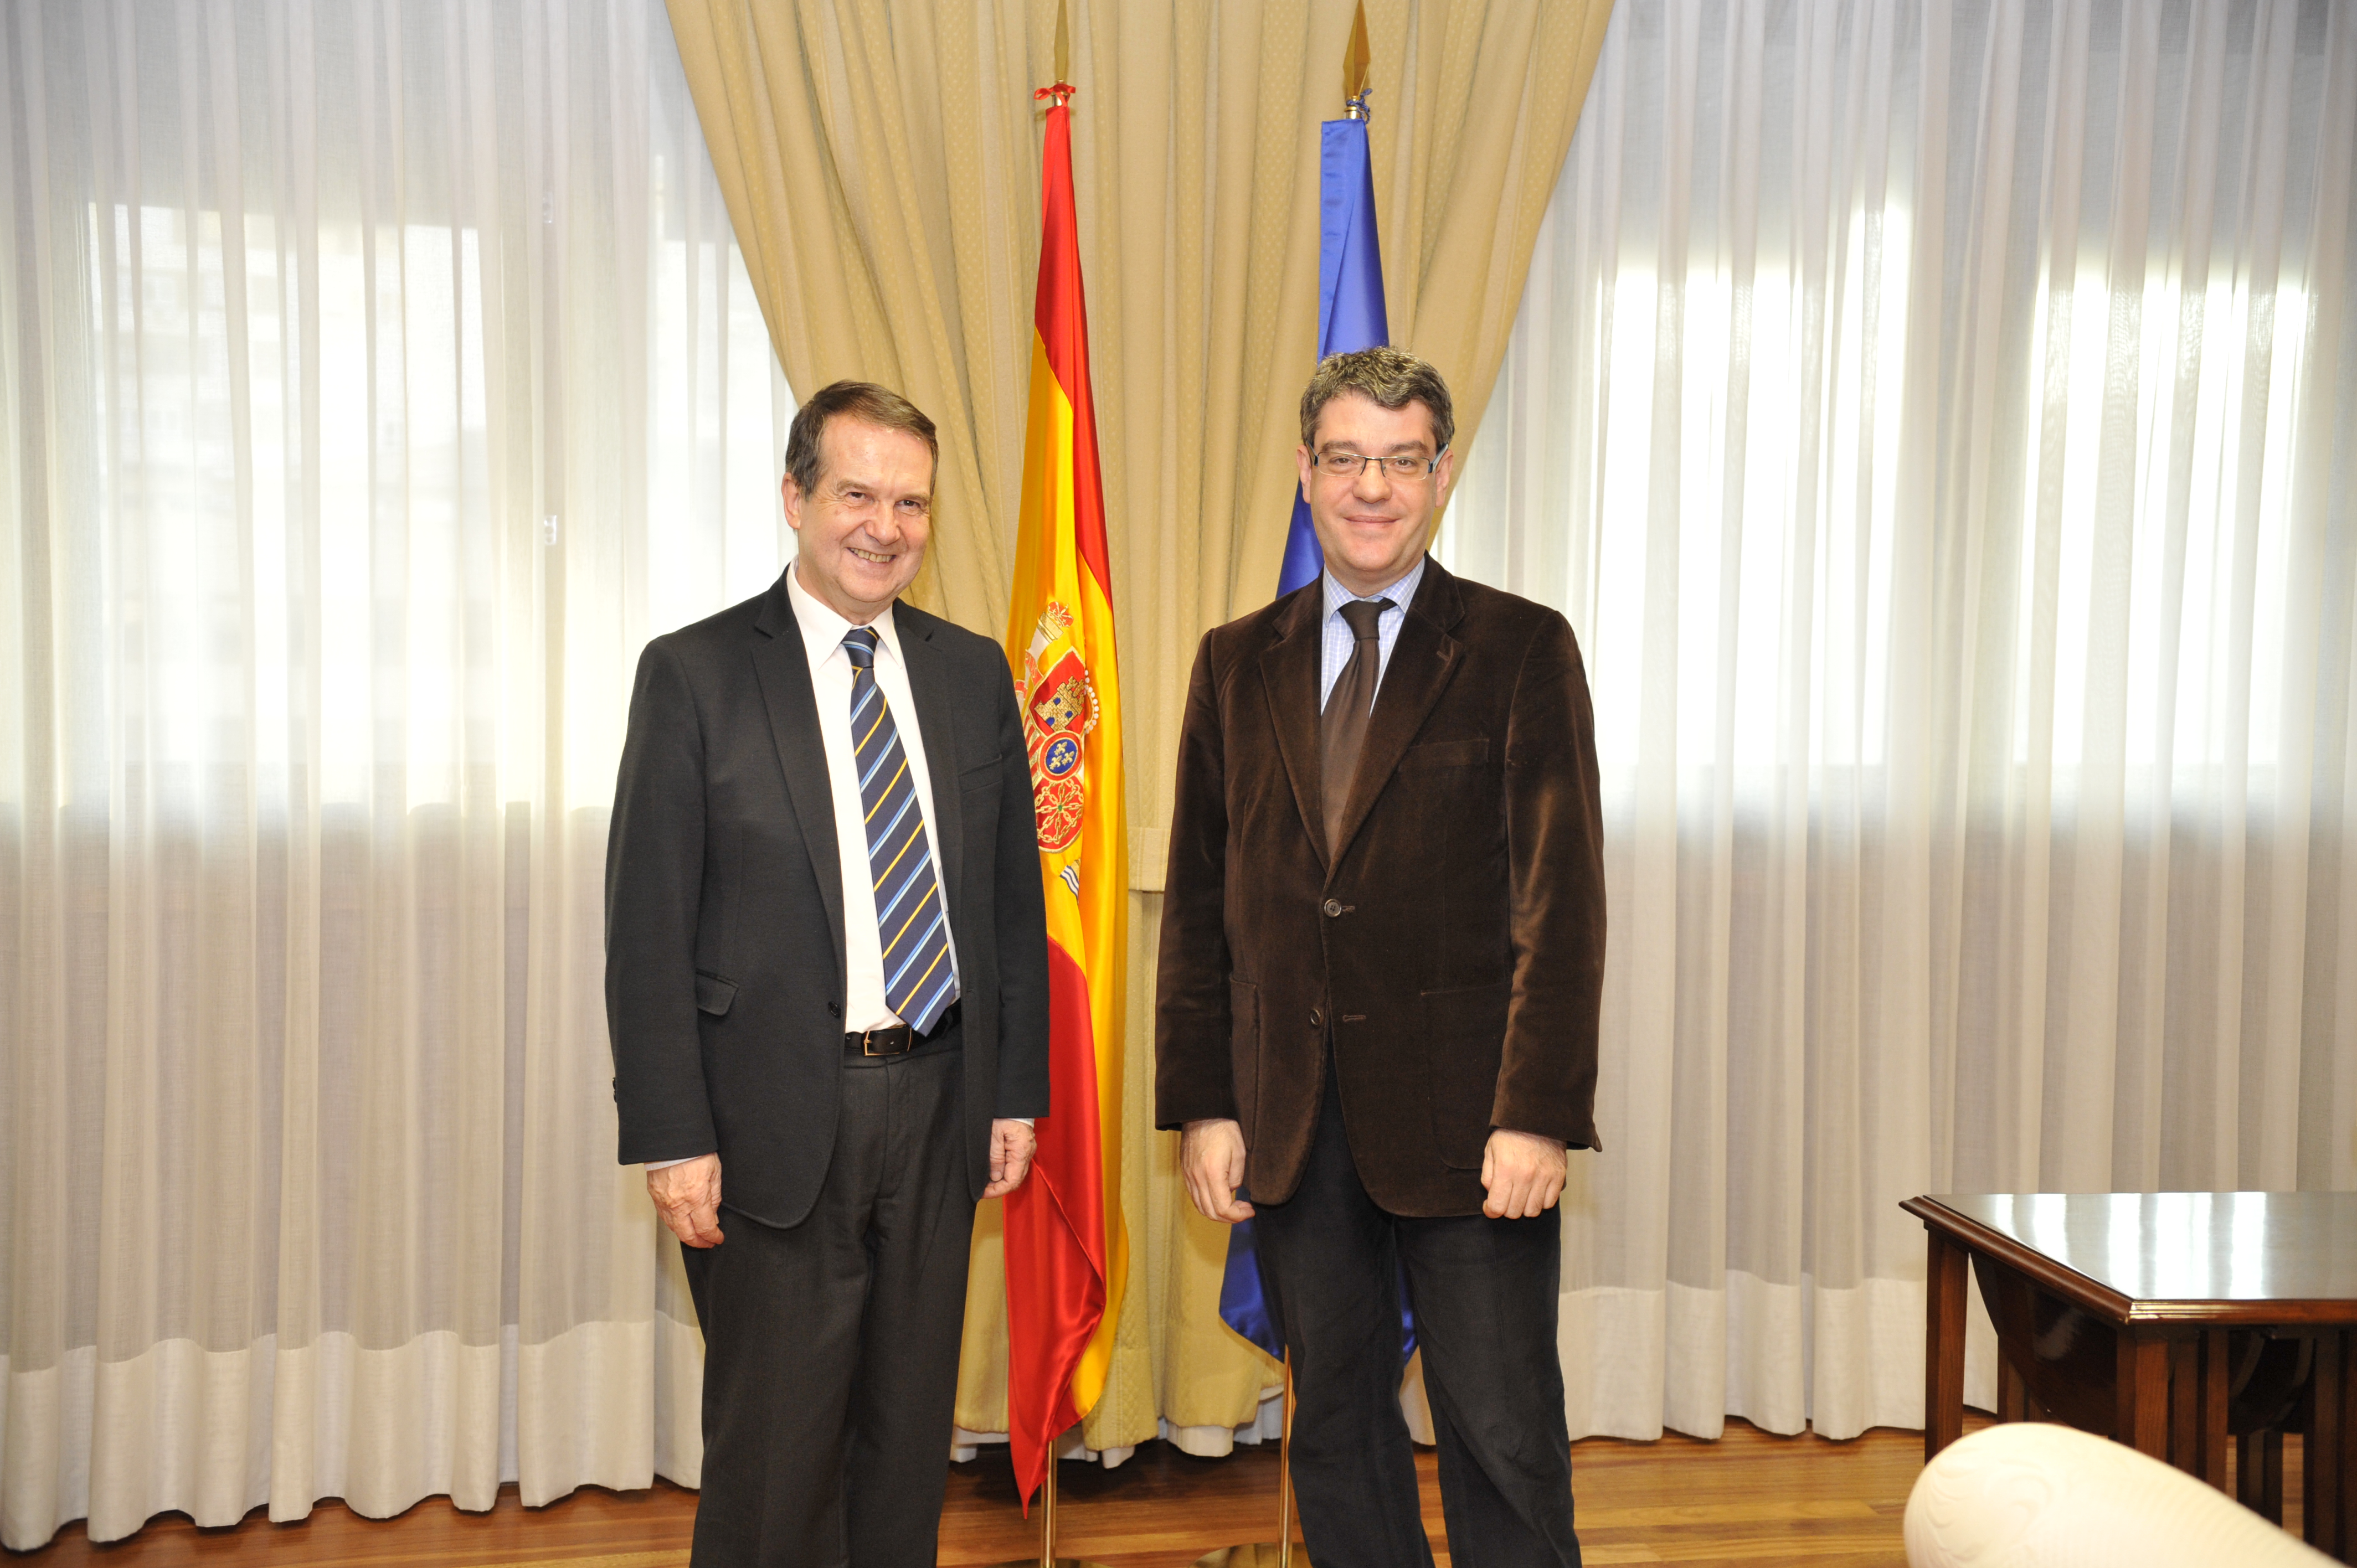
(831, 1348)
(1483, 1292)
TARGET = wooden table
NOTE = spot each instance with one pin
(2171, 1272)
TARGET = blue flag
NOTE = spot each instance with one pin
(1244, 1307)
(1350, 316)
(1350, 295)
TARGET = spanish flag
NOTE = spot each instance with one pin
(1067, 1258)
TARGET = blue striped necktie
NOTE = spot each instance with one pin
(911, 920)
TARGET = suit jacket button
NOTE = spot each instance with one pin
(834, 1009)
(1333, 907)
(1315, 1018)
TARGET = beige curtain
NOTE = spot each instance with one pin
(881, 165)
(374, 380)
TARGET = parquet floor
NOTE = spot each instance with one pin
(1749, 1498)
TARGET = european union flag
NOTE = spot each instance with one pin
(1350, 295)
(1244, 1307)
(1350, 316)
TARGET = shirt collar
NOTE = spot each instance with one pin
(822, 630)
(1401, 593)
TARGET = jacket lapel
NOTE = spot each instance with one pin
(1289, 668)
(931, 687)
(1422, 662)
(783, 670)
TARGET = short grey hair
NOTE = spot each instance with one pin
(1388, 378)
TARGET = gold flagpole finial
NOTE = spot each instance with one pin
(1060, 92)
(1355, 60)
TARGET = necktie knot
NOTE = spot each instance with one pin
(859, 647)
(1364, 616)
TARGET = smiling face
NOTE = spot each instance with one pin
(861, 528)
(1371, 525)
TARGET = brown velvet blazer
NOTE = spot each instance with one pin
(1455, 940)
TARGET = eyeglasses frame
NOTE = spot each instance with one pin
(1431, 464)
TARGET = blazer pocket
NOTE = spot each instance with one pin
(714, 995)
(1445, 754)
(1464, 1043)
(982, 775)
(1244, 1052)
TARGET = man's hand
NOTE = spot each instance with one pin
(1211, 1158)
(688, 1198)
(1523, 1173)
(1011, 1147)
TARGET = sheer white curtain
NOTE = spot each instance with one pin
(1939, 422)
(374, 379)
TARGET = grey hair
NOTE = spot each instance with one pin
(1388, 378)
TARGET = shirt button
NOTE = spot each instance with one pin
(1315, 1018)
(1333, 907)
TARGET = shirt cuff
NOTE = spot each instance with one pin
(653, 1165)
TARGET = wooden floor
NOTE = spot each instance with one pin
(1748, 1499)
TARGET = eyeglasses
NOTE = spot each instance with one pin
(1404, 465)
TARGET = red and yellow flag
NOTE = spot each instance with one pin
(1067, 1258)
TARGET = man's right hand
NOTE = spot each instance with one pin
(687, 1195)
(1211, 1158)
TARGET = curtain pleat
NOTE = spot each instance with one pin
(1939, 423)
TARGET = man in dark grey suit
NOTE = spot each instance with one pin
(826, 974)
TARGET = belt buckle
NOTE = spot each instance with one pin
(867, 1044)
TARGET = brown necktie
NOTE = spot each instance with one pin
(1342, 728)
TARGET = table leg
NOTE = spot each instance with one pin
(2347, 1457)
(2185, 1405)
(2140, 1414)
(2344, 1453)
(2258, 1478)
(2321, 1502)
(2216, 1390)
(1943, 1343)
(2012, 1394)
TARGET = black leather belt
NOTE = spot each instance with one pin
(898, 1040)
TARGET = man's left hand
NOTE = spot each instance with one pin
(1011, 1147)
(1523, 1173)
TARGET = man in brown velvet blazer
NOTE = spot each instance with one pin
(1382, 947)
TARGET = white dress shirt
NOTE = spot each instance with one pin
(1334, 651)
(830, 669)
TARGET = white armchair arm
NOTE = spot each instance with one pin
(2033, 1494)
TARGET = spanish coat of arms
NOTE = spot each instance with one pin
(1060, 712)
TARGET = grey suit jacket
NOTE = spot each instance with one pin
(723, 900)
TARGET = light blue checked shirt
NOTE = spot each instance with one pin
(1334, 653)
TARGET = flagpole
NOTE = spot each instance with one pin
(1284, 1455)
(1048, 1515)
(1280, 1552)
(1046, 1556)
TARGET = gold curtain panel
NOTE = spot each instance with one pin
(881, 166)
